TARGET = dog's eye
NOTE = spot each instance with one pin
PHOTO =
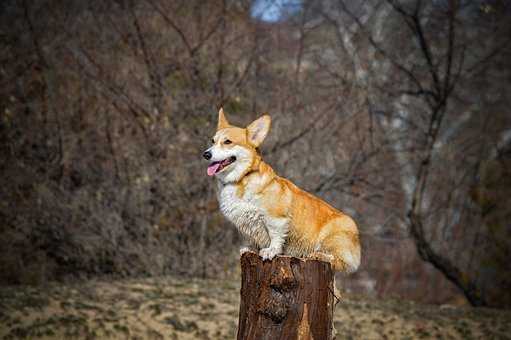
(212, 141)
(227, 141)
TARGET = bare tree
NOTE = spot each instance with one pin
(425, 87)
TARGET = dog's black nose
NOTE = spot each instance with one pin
(207, 155)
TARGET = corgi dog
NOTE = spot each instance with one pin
(273, 215)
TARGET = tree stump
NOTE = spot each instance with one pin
(286, 298)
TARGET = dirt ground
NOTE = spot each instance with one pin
(171, 308)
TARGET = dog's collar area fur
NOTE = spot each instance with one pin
(255, 167)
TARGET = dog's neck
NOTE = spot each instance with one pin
(255, 166)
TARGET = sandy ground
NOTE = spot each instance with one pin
(171, 308)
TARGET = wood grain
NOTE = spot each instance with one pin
(286, 298)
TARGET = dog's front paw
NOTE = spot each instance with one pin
(244, 250)
(269, 253)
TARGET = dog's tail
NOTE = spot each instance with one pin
(344, 245)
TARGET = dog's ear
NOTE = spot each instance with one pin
(222, 121)
(258, 129)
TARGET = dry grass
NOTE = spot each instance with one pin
(172, 308)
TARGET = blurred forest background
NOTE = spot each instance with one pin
(396, 112)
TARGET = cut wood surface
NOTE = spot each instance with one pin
(286, 298)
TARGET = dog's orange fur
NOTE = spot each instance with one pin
(315, 227)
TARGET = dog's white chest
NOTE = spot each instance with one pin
(244, 213)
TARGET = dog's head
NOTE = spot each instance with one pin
(234, 149)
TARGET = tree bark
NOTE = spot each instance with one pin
(286, 298)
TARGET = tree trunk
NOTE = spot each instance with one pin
(286, 298)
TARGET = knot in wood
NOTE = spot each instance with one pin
(273, 305)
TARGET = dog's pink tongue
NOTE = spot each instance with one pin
(213, 168)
